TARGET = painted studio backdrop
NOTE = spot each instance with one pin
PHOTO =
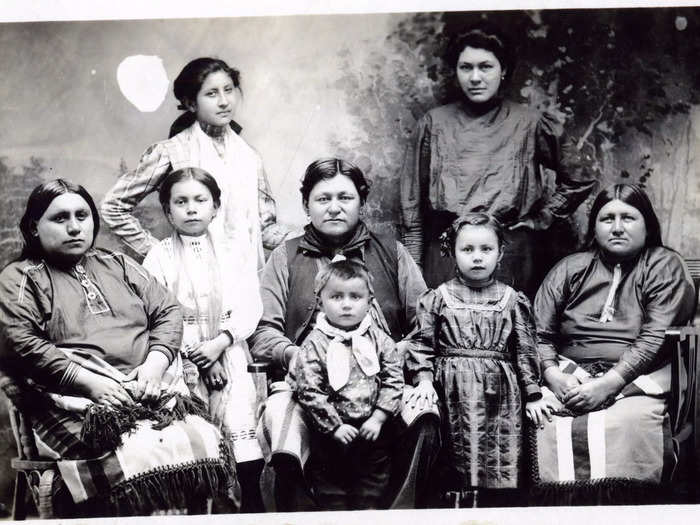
(82, 100)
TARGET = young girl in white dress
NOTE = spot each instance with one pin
(213, 275)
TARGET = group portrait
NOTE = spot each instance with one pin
(332, 262)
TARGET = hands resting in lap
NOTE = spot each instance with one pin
(583, 396)
(106, 391)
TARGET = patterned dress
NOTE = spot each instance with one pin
(478, 345)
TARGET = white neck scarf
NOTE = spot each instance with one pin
(338, 353)
(236, 172)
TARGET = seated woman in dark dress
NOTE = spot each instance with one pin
(601, 318)
(93, 342)
(333, 193)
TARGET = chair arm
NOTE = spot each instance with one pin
(260, 372)
(683, 342)
(260, 367)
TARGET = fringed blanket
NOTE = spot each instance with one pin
(283, 428)
(625, 446)
(134, 460)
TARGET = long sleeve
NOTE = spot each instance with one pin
(420, 349)
(129, 190)
(668, 299)
(164, 315)
(411, 285)
(526, 359)
(414, 181)
(272, 232)
(269, 341)
(548, 305)
(313, 388)
(573, 184)
(154, 263)
(25, 348)
(390, 375)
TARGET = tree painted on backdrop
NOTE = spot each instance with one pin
(624, 83)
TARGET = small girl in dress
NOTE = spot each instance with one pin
(217, 289)
(475, 344)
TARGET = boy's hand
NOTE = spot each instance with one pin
(538, 410)
(215, 377)
(371, 428)
(345, 434)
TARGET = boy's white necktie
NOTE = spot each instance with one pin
(338, 353)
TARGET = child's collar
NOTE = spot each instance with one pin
(344, 335)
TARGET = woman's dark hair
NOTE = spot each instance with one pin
(38, 202)
(197, 174)
(483, 36)
(448, 239)
(189, 82)
(634, 196)
(328, 168)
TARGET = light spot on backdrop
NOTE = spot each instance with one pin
(143, 81)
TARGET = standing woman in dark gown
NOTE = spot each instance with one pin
(484, 153)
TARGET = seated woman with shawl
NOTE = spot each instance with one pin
(334, 192)
(93, 340)
(601, 318)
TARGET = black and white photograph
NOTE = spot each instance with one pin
(430, 262)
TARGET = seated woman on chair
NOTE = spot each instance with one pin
(94, 340)
(601, 318)
(333, 194)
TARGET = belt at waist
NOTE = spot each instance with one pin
(473, 352)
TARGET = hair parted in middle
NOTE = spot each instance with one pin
(343, 269)
(632, 195)
(327, 168)
(448, 239)
(197, 174)
(187, 84)
(38, 202)
(483, 35)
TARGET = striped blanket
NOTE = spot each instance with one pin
(628, 440)
(283, 427)
(158, 464)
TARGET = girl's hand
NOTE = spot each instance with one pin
(559, 382)
(207, 353)
(215, 377)
(589, 396)
(423, 395)
(149, 375)
(371, 428)
(345, 434)
(101, 389)
(541, 409)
